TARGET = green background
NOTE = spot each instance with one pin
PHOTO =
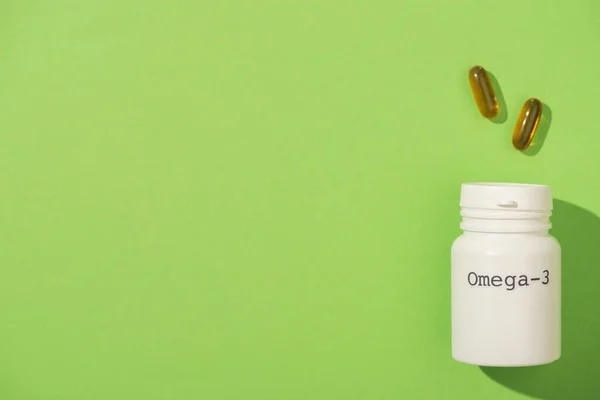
(256, 199)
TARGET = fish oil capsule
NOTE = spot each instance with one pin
(527, 124)
(483, 92)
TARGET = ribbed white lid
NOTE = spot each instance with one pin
(506, 196)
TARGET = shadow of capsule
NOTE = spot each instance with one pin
(502, 109)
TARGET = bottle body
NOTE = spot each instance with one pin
(506, 298)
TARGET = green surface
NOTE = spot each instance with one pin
(256, 199)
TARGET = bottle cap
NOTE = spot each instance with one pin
(506, 196)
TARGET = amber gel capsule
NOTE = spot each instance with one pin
(528, 121)
(483, 92)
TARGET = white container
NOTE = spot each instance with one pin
(506, 277)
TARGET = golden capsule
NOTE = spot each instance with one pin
(483, 92)
(527, 124)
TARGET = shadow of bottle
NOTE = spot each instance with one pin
(574, 376)
(541, 132)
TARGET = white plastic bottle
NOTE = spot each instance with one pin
(506, 277)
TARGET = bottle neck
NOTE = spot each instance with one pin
(505, 221)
